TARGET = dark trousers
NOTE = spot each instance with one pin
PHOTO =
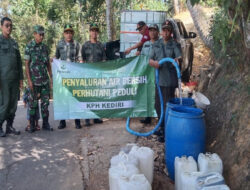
(167, 94)
(9, 90)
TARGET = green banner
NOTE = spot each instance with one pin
(112, 89)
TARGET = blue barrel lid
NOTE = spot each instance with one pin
(186, 112)
(185, 101)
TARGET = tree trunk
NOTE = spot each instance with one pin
(176, 4)
(4, 8)
(109, 19)
(195, 16)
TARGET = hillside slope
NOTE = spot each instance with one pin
(227, 85)
(228, 124)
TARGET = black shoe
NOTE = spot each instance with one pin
(161, 139)
(10, 129)
(147, 120)
(98, 121)
(78, 123)
(46, 126)
(62, 124)
(32, 127)
(159, 133)
(87, 122)
(2, 133)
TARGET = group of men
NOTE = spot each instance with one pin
(70, 50)
(39, 75)
(38, 72)
(157, 48)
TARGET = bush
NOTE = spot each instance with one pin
(226, 38)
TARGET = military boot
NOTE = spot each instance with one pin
(160, 131)
(147, 120)
(98, 121)
(32, 125)
(2, 133)
(46, 125)
(78, 123)
(10, 129)
(62, 124)
(87, 122)
(161, 137)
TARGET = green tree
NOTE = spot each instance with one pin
(230, 29)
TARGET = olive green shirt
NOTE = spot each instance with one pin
(93, 52)
(69, 51)
(10, 60)
(146, 48)
(167, 72)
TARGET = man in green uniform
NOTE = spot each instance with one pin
(11, 77)
(69, 50)
(37, 68)
(93, 51)
(154, 36)
(165, 47)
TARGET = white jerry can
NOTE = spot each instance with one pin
(210, 163)
(124, 158)
(145, 156)
(120, 171)
(188, 180)
(183, 164)
(209, 179)
(216, 187)
(135, 182)
(128, 147)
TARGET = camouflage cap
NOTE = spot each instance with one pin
(167, 25)
(68, 27)
(93, 26)
(153, 26)
(39, 29)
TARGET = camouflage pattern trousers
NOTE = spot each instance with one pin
(39, 92)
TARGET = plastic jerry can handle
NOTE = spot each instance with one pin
(211, 179)
(123, 155)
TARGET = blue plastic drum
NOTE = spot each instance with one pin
(184, 134)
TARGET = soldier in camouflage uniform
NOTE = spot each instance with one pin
(93, 51)
(37, 68)
(69, 50)
(11, 77)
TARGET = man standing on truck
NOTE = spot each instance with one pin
(143, 30)
(165, 47)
